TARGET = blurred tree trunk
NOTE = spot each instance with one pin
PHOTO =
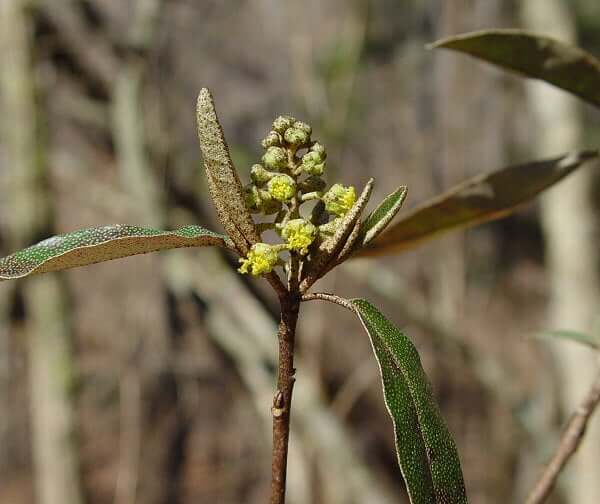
(570, 227)
(50, 357)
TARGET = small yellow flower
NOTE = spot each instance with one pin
(261, 259)
(282, 187)
(299, 234)
(339, 199)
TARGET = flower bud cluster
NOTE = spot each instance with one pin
(290, 175)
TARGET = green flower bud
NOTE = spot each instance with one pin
(328, 228)
(299, 234)
(339, 199)
(269, 206)
(273, 139)
(312, 184)
(275, 158)
(282, 187)
(261, 259)
(252, 198)
(259, 175)
(319, 149)
(296, 136)
(282, 123)
(313, 163)
(303, 127)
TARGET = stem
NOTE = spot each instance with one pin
(569, 442)
(282, 402)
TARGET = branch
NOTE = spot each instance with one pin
(282, 402)
(332, 298)
(569, 442)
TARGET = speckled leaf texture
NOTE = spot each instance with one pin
(483, 198)
(427, 454)
(89, 246)
(223, 182)
(535, 56)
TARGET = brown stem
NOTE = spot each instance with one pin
(569, 442)
(282, 401)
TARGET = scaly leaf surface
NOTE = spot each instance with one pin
(427, 453)
(536, 56)
(483, 198)
(89, 246)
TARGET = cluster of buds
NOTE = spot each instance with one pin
(290, 175)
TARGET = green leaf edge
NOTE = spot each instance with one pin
(383, 214)
(577, 337)
(446, 483)
(90, 246)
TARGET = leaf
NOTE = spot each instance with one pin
(427, 454)
(483, 198)
(223, 182)
(539, 57)
(584, 339)
(89, 246)
(379, 218)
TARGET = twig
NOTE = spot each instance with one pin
(569, 442)
(282, 401)
(332, 298)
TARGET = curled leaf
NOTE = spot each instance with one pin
(483, 198)
(223, 182)
(89, 246)
(427, 454)
(535, 56)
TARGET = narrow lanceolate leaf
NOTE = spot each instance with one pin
(535, 56)
(480, 199)
(427, 453)
(379, 218)
(582, 338)
(223, 181)
(89, 246)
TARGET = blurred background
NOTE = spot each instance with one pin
(149, 380)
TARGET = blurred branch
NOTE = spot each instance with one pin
(95, 58)
(51, 367)
(569, 442)
(128, 116)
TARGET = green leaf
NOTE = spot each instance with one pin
(535, 56)
(427, 454)
(584, 339)
(379, 218)
(223, 181)
(483, 198)
(89, 246)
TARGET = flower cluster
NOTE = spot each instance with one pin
(290, 175)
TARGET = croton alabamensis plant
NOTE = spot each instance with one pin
(317, 226)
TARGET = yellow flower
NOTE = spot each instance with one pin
(282, 187)
(261, 259)
(339, 199)
(299, 234)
